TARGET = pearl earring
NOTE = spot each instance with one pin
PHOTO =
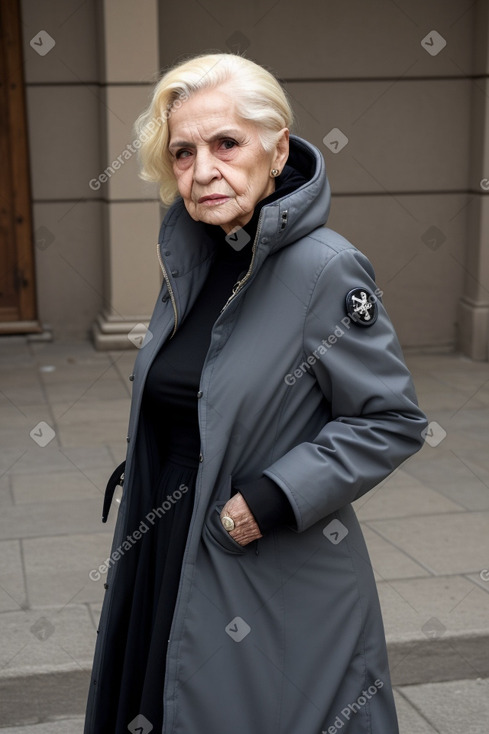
(274, 172)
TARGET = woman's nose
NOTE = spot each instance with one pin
(205, 169)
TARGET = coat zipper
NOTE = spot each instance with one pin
(236, 288)
(239, 285)
(170, 289)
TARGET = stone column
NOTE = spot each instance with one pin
(129, 55)
(474, 304)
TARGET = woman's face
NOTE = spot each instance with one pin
(220, 166)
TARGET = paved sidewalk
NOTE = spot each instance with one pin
(63, 416)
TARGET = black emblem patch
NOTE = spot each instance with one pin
(361, 307)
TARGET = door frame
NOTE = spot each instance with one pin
(20, 187)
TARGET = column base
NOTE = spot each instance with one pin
(112, 332)
(473, 330)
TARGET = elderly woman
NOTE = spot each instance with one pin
(269, 393)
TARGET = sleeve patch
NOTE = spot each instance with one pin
(361, 306)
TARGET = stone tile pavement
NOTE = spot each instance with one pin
(63, 414)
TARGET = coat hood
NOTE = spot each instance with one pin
(303, 210)
(186, 249)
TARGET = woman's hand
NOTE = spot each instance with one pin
(245, 527)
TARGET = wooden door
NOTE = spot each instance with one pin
(17, 277)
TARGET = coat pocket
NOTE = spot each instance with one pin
(213, 530)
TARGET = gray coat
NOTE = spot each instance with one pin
(285, 635)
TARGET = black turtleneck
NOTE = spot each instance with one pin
(170, 393)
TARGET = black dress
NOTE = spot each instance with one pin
(166, 461)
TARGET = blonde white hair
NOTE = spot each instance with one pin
(257, 94)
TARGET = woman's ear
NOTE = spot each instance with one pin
(281, 149)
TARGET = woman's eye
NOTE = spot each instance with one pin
(228, 144)
(182, 154)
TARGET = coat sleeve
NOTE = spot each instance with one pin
(375, 420)
(267, 502)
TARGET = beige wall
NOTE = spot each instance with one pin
(63, 112)
(359, 66)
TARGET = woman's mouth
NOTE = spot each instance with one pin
(213, 199)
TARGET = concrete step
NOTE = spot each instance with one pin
(72, 725)
(431, 708)
(42, 696)
(32, 694)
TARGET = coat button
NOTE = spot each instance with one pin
(128, 438)
(167, 253)
(201, 458)
(131, 378)
(166, 297)
(199, 394)
(174, 273)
